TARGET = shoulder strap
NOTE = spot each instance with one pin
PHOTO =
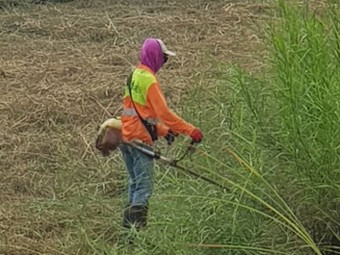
(149, 127)
(129, 81)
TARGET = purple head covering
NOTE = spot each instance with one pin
(152, 54)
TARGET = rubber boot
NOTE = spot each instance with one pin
(126, 216)
(135, 216)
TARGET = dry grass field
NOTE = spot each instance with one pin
(63, 65)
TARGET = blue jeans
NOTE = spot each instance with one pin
(140, 170)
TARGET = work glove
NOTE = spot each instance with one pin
(170, 137)
(196, 136)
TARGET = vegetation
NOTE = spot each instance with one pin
(269, 111)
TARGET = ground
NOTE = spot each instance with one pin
(62, 70)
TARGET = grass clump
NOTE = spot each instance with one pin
(283, 129)
(305, 88)
(273, 139)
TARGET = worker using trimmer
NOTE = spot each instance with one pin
(146, 117)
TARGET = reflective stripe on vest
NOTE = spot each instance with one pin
(129, 112)
(132, 112)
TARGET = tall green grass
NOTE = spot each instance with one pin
(273, 139)
(305, 80)
(286, 124)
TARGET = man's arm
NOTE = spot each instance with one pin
(162, 130)
(165, 115)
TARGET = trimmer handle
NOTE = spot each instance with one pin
(193, 142)
(192, 146)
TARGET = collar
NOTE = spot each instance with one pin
(144, 67)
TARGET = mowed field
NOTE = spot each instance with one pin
(63, 66)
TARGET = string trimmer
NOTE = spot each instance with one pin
(147, 150)
(109, 138)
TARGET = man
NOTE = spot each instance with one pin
(146, 117)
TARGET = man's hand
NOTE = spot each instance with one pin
(170, 137)
(196, 135)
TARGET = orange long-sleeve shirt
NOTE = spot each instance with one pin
(154, 108)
